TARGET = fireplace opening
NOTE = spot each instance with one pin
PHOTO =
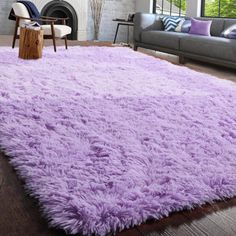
(62, 9)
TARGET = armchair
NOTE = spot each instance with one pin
(51, 29)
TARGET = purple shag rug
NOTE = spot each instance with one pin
(106, 138)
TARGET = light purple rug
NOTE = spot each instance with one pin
(106, 138)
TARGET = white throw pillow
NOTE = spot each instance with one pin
(179, 27)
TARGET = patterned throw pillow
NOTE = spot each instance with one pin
(230, 32)
(171, 22)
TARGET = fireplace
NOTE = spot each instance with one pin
(76, 10)
(62, 9)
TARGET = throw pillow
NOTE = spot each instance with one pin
(171, 22)
(230, 32)
(179, 27)
(200, 27)
(186, 26)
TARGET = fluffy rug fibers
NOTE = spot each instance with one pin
(106, 138)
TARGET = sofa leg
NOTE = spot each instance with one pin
(181, 59)
(135, 48)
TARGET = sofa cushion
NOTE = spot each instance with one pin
(164, 39)
(216, 47)
(144, 21)
(228, 23)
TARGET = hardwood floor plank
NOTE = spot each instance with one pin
(130, 232)
(202, 222)
(218, 219)
(175, 224)
(221, 214)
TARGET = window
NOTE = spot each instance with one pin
(219, 8)
(170, 7)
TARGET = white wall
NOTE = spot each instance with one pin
(144, 6)
(114, 9)
(6, 26)
(193, 8)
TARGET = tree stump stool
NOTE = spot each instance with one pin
(31, 43)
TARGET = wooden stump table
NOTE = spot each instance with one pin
(31, 43)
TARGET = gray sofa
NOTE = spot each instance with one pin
(148, 33)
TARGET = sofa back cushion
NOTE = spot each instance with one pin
(158, 24)
(146, 22)
(228, 23)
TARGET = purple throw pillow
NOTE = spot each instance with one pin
(200, 27)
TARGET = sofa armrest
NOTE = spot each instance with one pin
(146, 21)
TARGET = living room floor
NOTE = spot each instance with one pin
(215, 70)
(20, 214)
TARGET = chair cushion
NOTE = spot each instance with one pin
(216, 47)
(164, 39)
(21, 10)
(60, 30)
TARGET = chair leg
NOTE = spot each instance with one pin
(14, 41)
(54, 43)
(15, 32)
(117, 30)
(53, 37)
(66, 44)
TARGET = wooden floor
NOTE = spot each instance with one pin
(20, 214)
